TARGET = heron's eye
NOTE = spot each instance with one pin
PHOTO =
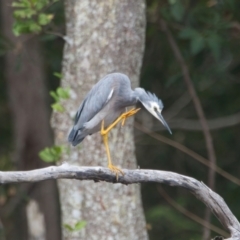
(155, 109)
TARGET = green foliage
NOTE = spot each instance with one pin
(203, 27)
(30, 17)
(58, 95)
(52, 154)
(177, 10)
(170, 216)
(201, 40)
(77, 227)
(197, 42)
(57, 107)
(168, 222)
(58, 75)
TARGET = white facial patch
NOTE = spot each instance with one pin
(153, 109)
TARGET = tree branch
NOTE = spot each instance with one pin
(194, 125)
(200, 113)
(212, 200)
(189, 152)
(189, 214)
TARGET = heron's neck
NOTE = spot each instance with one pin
(139, 94)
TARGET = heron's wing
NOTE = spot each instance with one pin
(94, 102)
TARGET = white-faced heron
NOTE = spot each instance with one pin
(105, 106)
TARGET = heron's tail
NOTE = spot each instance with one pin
(75, 136)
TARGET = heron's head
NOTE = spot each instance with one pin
(153, 104)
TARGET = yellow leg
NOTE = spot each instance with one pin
(113, 168)
(104, 133)
(125, 115)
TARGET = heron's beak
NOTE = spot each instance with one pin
(164, 122)
(157, 115)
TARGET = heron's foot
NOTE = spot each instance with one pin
(115, 170)
(130, 113)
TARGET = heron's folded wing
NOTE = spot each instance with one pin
(96, 99)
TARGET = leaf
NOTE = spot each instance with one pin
(177, 10)
(68, 227)
(44, 19)
(187, 33)
(80, 225)
(197, 44)
(17, 28)
(40, 4)
(57, 107)
(54, 95)
(63, 93)
(22, 4)
(214, 43)
(18, 4)
(19, 13)
(46, 156)
(52, 154)
(197, 41)
(34, 27)
(28, 18)
(20, 27)
(24, 13)
(58, 75)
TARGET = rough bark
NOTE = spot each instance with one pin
(211, 199)
(24, 73)
(102, 37)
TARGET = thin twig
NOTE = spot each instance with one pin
(200, 113)
(177, 106)
(189, 214)
(189, 152)
(194, 125)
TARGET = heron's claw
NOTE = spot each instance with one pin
(115, 170)
(129, 114)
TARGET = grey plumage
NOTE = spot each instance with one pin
(107, 100)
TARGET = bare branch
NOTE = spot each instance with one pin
(177, 106)
(189, 152)
(200, 113)
(212, 200)
(194, 125)
(189, 214)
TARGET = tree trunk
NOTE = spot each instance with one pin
(24, 73)
(102, 37)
